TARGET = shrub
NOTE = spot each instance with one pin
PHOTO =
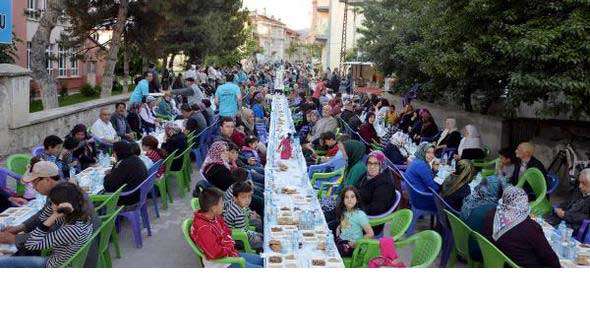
(63, 91)
(87, 90)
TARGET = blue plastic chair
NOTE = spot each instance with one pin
(139, 212)
(4, 175)
(415, 197)
(38, 150)
(584, 232)
(445, 227)
(330, 166)
(552, 183)
(153, 170)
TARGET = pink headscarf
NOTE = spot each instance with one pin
(214, 156)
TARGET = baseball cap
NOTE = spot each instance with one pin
(42, 169)
(149, 99)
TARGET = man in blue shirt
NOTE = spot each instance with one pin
(228, 97)
(142, 89)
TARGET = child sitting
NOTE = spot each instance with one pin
(237, 214)
(212, 235)
(353, 221)
(250, 152)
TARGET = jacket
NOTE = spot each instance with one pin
(377, 194)
(130, 171)
(175, 143)
(120, 124)
(577, 209)
(534, 162)
(420, 175)
(219, 176)
(213, 237)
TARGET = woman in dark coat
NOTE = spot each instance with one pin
(175, 141)
(367, 130)
(85, 150)
(129, 170)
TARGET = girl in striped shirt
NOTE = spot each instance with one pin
(64, 232)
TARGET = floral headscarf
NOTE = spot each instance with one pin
(214, 156)
(422, 149)
(485, 193)
(512, 209)
(172, 128)
(380, 156)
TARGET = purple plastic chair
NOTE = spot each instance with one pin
(153, 170)
(37, 151)
(584, 232)
(4, 174)
(415, 196)
(139, 212)
(445, 228)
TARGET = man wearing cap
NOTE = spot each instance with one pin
(148, 115)
(43, 176)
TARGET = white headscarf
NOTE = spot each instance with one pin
(471, 141)
(512, 209)
(453, 124)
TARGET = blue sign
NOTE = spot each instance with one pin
(5, 21)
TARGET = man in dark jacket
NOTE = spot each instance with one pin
(129, 170)
(577, 208)
(195, 119)
(119, 122)
(526, 160)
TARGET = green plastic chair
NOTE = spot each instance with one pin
(18, 163)
(427, 246)
(461, 235)
(327, 188)
(186, 230)
(187, 165)
(533, 176)
(487, 165)
(399, 222)
(492, 256)
(365, 250)
(162, 183)
(106, 231)
(108, 202)
(181, 178)
(79, 259)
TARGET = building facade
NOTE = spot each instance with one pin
(271, 36)
(71, 68)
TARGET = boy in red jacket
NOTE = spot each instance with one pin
(211, 234)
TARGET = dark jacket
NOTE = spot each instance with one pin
(4, 202)
(577, 209)
(393, 153)
(130, 171)
(452, 140)
(175, 143)
(525, 244)
(219, 176)
(455, 199)
(120, 124)
(378, 193)
(85, 153)
(368, 133)
(429, 130)
(196, 123)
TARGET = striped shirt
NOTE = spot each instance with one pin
(233, 214)
(64, 240)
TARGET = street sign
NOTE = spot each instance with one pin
(5, 21)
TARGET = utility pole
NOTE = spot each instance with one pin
(344, 35)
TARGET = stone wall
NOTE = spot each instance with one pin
(20, 130)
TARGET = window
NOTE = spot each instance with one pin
(73, 63)
(31, 4)
(48, 59)
(29, 55)
(62, 60)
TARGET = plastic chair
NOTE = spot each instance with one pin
(162, 184)
(583, 234)
(4, 175)
(492, 256)
(394, 205)
(396, 223)
(106, 231)
(186, 232)
(533, 176)
(334, 164)
(180, 175)
(427, 246)
(79, 259)
(415, 197)
(365, 250)
(18, 164)
(108, 204)
(153, 170)
(195, 205)
(461, 235)
(553, 184)
(38, 150)
(443, 224)
(318, 178)
(139, 211)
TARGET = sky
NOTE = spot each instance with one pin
(295, 13)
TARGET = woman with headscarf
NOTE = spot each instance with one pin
(477, 205)
(175, 140)
(312, 118)
(354, 151)
(395, 150)
(83, 146)
(471, 146)
(450, 138)
(510, 228)
(129, 170)
(407, 118)
(429, 129)
(421, 176)
(325, 124)
(456, 186)
(367, 130)
(216, 167)
(247, 121)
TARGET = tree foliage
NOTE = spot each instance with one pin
(505, 51)
(8, 51)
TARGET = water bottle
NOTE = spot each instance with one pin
(445, 159)
(562, 230)
(556, 243)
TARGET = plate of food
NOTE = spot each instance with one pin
(317, 262)
(289, 190)
(274, 260)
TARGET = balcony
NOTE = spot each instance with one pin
(34, 14)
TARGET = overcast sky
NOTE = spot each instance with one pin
(295, 13)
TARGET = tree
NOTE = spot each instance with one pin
(39, 44)
(8, 51)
